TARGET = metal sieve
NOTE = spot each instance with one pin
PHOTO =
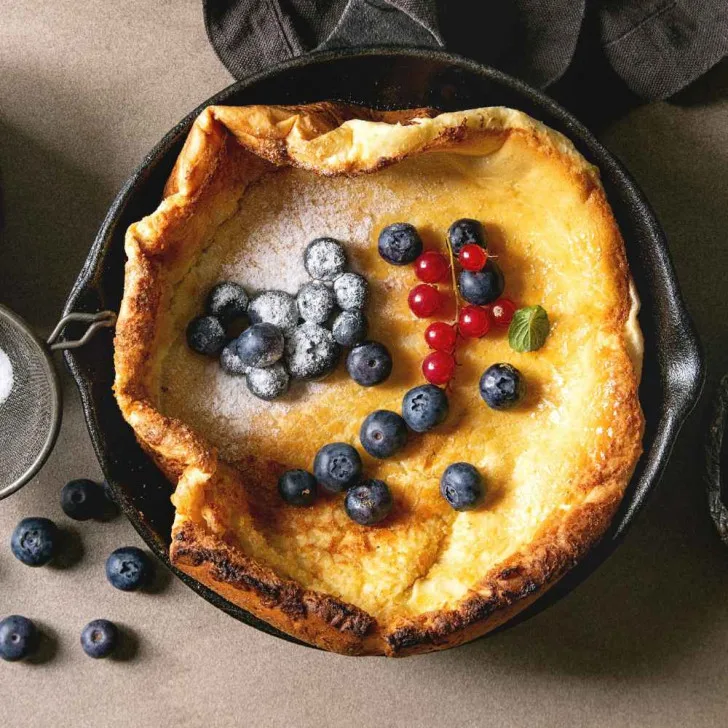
(31, 414)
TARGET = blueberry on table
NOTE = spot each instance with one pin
(274, 307)
(206, 335)
(18, 638)
(369, 502)
(297, 487)
(260, 345)
(269, 383)
(502, 386)
(99, 638)
(350, 327)
(128, 569)
(324, 259)
(400, 243)
(230, 361)
(337, 466)
(383, 433)
(227, 301)
(83, 499)
(351, 291)
(461, 485)
(369, 363)
(482, 286)
(315, 301)
(311, 352)
(424, 407)
(35, 541)
(465, 231)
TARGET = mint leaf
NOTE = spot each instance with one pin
(529, 329)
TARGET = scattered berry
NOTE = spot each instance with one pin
(227, 301)
(383, 433)
(501, 312)
(502, 386)
(424, 300)
(424, 407)
(432, 267)
(324, 259)
(206, 335)
(230, 361)
(83, 499)
(438, 367)
(351, 291)
(311, 352)
(260, 345)
(315, 302)
(35, 541)
(128, 569)
(297, 487)
(369, 502)
(337, 466)
(461, 485)
(269, 383)
(18, 638)
(473, 322)
(441, 336)
(350, 327)
(274, 307)
(483, 286)
(369, 363)
(399, 243)
(99, 638)
(465, 232)
(472, 257)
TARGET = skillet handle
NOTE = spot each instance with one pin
(715, 477)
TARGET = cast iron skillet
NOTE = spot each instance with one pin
(388, 78)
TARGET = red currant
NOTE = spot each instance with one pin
(472, 257)
(440, 336)
(438, 367)
(424, 300)
(473, 322)
(432, 267)
(501, 312)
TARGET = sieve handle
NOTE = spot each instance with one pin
(100, 320)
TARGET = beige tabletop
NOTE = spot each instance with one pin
(85, 90)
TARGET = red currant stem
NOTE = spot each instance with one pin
(456, 324)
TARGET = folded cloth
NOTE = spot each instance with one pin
(655, 46)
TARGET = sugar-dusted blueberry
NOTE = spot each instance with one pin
(324, 259)
(206, 335)
(269, 383)
(274, 307)
(337, 466)
(129, 569)
(260, 345)
(425, 407)
(35, 541)
(230, 360)
(483, 286)
(400, 243)
(297, 487)
(99, 638)
(466, 231)
(350, 327)
(311, 352)
(351, 291)
(18, 638)
(227, 301)
(315, 302)
(502, 386)
(83, 499)
(461, 485)
(383, 433)
(369, 363)
(369, 502)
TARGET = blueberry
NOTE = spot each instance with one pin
(18, 638)
(227, 301)
(350, 327)
(311, 352)
(337, 466)
(383, 433)
(461, 485)
(83, 499)
(230, 361)
(99, 638)
(128, 569)
(315, 302)
(400, 243)
(35, 541)
(269, 383)
(502, 386)
(424, 407)
(369, 363)
(465, 232)
(351, 291)
(369, 502)
(260, 345)
(274, 307)
(297, 487)
(324, 259)
(206, 335)
(482, 286)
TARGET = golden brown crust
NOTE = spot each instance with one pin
(238, 145)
